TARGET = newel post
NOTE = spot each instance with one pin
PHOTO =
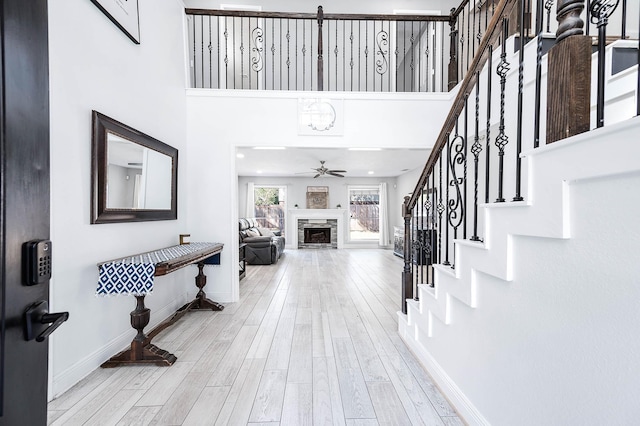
(453, 50)
(320, 57)
(569, 76)
(407, 277)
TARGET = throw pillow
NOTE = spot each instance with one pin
(266, 232)
(253, 232)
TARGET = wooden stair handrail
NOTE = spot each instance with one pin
(492, 33)
(314, 16)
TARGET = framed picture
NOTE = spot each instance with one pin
(317, 197)
(123, 13)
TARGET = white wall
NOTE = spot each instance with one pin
(219, 121)
(93, 65)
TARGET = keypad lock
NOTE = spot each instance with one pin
(37, 261)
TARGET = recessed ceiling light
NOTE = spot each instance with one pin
(270, 147)
(365, 149)
(370, 172)
(239, 155)
(259, 171)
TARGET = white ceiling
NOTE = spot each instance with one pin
(294, 161)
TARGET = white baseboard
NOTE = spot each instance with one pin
(220, 297)
(452, 392)
(78, 371)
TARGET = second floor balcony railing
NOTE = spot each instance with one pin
(231, 49)
(309, 51)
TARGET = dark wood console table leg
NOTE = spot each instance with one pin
(141, 351)
(201, 302)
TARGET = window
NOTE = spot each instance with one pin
(270, 206)
(364, 211)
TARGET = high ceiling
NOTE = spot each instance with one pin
(300, 161)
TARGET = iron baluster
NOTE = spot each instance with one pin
(273, 56)
(195, 79)
(446, 245)
(210, 47)
(389, 83)
(336, 51)
(257, 63)
(202, 50)
(479, 33)
(588, 23)
(359, 55)
(430, 66)
(288, 54)
(476, 148)
(419, 64)
(344, 58)
(440, 208)
(421, 230)
(536, 121)
(518, 196)
(488, 135)
(468, 36)
(412, 65)
(464, 176)
(407, 278)
(296, 62)
(548, 4)
(433, 255)
(624, 19)
(600, 12)
(404, 55)
(226, 54)
(382, 43)
(241, 53)
(366, 56)
(461, 69)
(311, 55)
(351, 63)
(329, 55)
(441, 26)
(304, 54)
(218, 57)
(320, 51)
(427, 205)
(502, 139)
(280, 60)
(473, 39)
(486, 15)
(456, 205)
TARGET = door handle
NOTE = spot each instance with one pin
(37, 317)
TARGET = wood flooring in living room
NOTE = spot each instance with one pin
(312, 340)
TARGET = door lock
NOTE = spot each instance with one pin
(37, 319)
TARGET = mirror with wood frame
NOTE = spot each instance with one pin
(134, 177)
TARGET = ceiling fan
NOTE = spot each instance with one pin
(322, 170)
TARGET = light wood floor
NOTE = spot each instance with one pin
(313, 340)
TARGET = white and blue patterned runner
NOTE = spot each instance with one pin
(134, 275)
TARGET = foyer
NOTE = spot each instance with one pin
(312, 340)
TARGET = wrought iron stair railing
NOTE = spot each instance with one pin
(499, 111)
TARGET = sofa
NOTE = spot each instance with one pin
(263, 246)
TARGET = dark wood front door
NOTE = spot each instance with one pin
(24, 213)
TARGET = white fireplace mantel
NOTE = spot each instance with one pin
(295, 214)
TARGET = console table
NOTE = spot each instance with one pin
(134, 275)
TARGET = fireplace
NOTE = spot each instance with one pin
(317, 235)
